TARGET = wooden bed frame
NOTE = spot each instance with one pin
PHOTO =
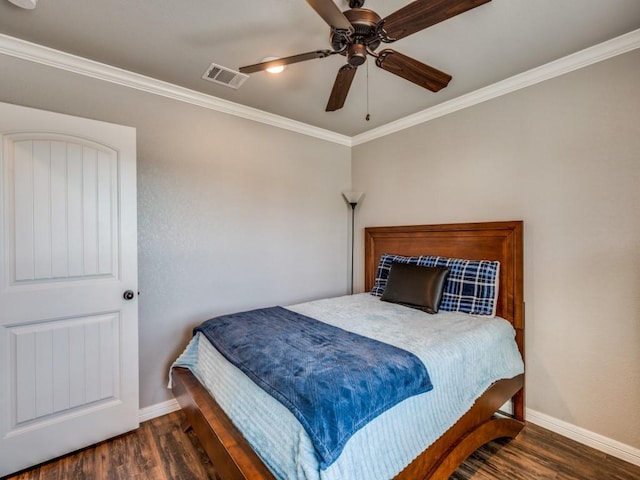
(233, 457)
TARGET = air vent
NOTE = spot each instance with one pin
(224, 76)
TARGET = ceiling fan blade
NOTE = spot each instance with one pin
(341, 88)
(331, 14)
(301, 57)
(421, 14)
(412, 70)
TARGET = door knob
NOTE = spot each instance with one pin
(128, 295)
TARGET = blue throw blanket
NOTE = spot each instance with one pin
(332, 380)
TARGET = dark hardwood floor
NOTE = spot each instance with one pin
(160, 450)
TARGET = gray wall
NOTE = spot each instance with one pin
(564, 156)
(232, 214)
(235, 214)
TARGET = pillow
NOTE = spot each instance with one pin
(415, 286)
(471, 287)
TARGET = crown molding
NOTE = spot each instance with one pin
(32, 52)
(617, 46)
(54, 58)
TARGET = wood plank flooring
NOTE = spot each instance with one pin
(160, 450)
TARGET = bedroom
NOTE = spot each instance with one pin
(563, 154)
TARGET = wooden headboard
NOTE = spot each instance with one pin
(500, 241)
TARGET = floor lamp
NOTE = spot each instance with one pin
(352, 198)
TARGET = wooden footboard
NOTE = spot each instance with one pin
(234, 459)
(230, 453)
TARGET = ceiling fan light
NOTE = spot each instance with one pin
(27, 4)
(277, 68)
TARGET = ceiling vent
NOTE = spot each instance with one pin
(224, 76)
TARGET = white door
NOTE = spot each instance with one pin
(68, 337)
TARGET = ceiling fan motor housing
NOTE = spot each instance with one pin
(365, 36)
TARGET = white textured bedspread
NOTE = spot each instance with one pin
(463, 354)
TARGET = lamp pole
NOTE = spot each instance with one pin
(352, 199)
(353, 231)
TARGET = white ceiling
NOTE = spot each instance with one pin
(176, 40)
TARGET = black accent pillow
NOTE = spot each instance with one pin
(415, 286)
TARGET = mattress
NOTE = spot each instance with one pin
(463, 354)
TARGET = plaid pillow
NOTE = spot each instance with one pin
(471, 287)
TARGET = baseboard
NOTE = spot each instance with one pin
(157, 410)
(586, 437)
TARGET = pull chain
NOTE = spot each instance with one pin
(368, 117)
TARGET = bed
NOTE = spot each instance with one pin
(234, 458)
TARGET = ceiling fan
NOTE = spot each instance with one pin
(358, 32)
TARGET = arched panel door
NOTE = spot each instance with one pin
(68, 254)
